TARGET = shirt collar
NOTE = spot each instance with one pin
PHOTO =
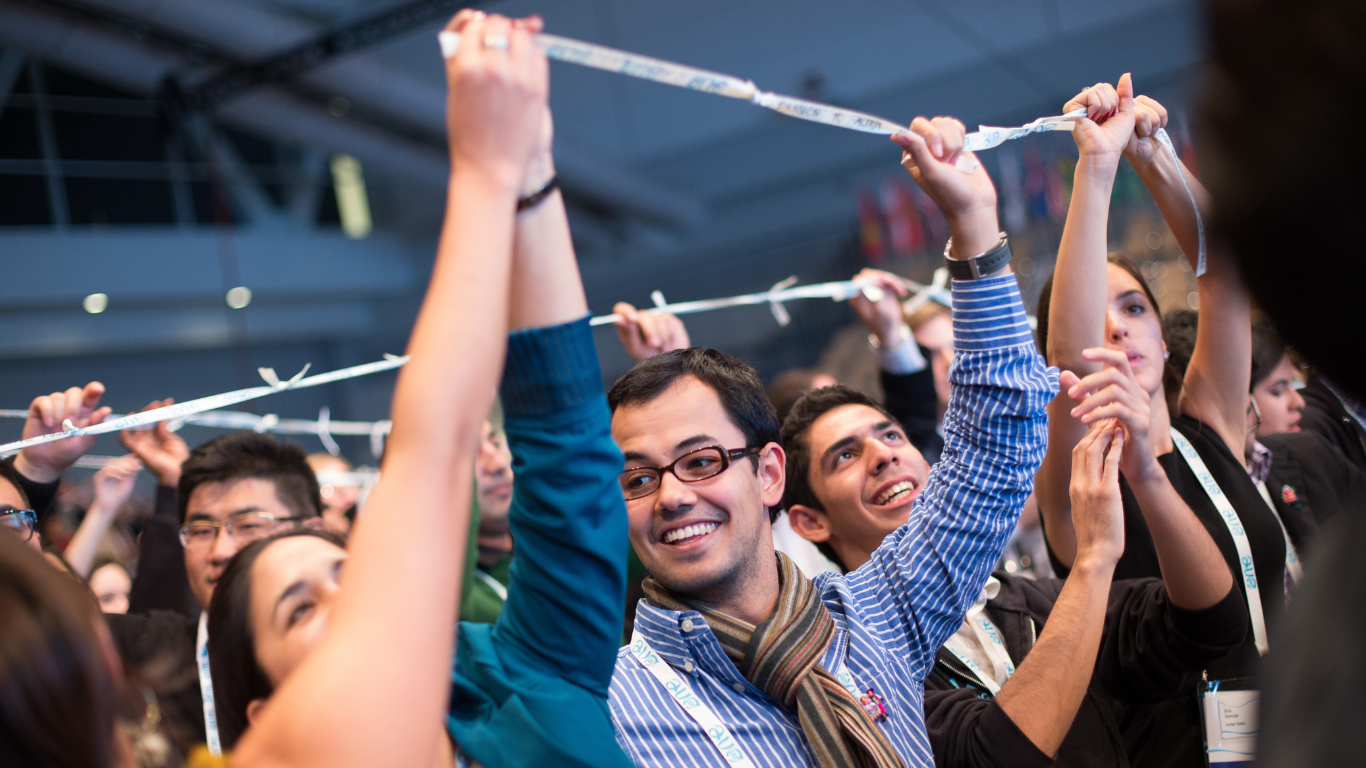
(1259, 462)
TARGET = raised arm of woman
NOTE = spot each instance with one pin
(375, 690)
(1217, 379)
(1077, 304)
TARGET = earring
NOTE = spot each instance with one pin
(1166, 354)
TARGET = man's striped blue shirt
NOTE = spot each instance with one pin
(893, 613)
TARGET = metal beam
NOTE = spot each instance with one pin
(182, 266)
(250, 32)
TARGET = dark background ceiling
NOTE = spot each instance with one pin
(101, 192)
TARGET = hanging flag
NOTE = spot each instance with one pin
(894, 213)
(1035, 183)
(1055, 194)
(917, 230)
(870, 227)
(1015, 213)
(939, 227)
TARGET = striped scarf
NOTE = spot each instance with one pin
(782, 657)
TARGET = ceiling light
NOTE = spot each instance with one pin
(95, 303)
(239, 297)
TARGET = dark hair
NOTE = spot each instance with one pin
(796, 441)
(1179, 328)
(57, 695)
(788, 387)
(237, 676)
(1291, 219)
(1268, 348)
(1046, 298)
(735, 383)
(10, 475)
(244, 455)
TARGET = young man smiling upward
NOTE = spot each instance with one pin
(737, 659)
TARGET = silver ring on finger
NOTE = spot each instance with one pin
(496, 41)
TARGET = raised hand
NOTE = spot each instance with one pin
(1109, 121)
(882, 318)
(646, 333)
(1149, 116)
(114, 483)
(45, 463)
(968, 200)
(160, 449)
(1114, 393)
(496, 109)
(1097, 510)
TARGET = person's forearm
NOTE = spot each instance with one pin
(80, 552)
(975, 232)
(1162, 176)
(1193, 569)
(34, 471)
(1053, 481)
(546, 287)
(1044, 694)
(1076, 310)
(439, 405)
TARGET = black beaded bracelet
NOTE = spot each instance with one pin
(534, 199)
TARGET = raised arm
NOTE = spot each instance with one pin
(929, 572)
(1079, 297)
(113, 486)
(1216, 386)
(567, 514)
(375, 690)
(161, 581)
(1044, 694)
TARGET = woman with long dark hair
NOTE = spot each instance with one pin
(58, 685)
(1100, 323)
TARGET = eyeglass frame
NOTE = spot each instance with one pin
(181, 532)
(727, 456)
(28, 515)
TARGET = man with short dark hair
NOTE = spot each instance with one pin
(210, 502)
(738, 657)
(1038, 696)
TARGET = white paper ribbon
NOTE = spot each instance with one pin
(706, 81)
(783, 292)
(1166, 141)
(213, 402)
(990, 136)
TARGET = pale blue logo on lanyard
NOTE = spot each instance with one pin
(1235, 529)
(206, 686)
(683, 695)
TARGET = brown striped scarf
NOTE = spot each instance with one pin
(782, 657)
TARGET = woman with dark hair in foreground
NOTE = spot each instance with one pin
(58, 690)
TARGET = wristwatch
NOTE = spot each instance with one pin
(977, 266)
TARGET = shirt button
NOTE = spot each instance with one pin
(688, 666)
(686, 626)
(739, 687)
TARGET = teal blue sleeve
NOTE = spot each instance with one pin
(567, 587)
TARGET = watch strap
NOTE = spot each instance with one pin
(978, 266)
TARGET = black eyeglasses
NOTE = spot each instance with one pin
(246, 527)
(20, 522)
(698, 465)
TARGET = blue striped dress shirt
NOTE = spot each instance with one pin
(894, 613)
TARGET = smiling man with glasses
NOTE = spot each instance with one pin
(211, 502)
(737, 658)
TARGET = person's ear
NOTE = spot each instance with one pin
(254, 708)
(809, 523)
(772, 474)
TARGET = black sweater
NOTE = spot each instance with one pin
(1148, 649)
(911, 399)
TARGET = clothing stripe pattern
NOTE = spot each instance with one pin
(893, 614)
(781, 656)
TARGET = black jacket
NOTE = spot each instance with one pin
(1148, 649)
(40, 495)
(1325, 414)
(156, 639)
(161, 582)
(1310, 482)
(911, 399)
(157, 649)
